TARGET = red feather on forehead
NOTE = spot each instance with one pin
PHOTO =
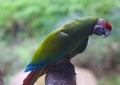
(108, 25)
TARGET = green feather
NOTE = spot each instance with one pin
(64, 42)
(73, 36)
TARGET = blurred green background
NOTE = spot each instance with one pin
(25, 23)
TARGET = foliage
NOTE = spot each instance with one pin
(37, 16)
(24, 24)
(110, 80)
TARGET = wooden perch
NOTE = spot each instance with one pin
(61, 74)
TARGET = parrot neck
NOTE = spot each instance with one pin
(80, 29)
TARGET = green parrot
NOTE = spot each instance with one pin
(69, 39)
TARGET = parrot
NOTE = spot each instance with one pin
(69, 39)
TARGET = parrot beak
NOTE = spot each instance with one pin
(106, 33)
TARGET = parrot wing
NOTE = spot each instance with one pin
(47, 54)
(82, 46)
(53, 48)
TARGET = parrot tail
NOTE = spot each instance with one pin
(33, 76)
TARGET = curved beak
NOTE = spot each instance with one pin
(106, 33)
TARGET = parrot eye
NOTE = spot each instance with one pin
(98, 30)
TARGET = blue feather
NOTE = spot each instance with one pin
(35, 66)
(39, 65)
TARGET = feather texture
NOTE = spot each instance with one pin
(34, 75)
(69, 39)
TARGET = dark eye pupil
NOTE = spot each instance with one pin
(99, 31)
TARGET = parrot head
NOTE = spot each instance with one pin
(102, 28)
